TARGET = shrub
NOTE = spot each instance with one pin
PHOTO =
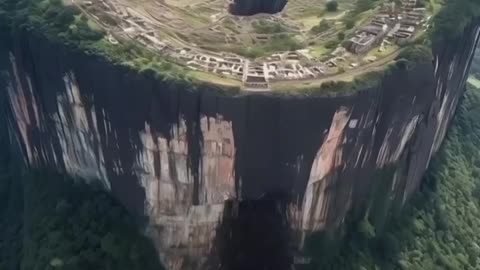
(331, 44)
(267, 27)
(283, 42)
(82, 32)
(418, 52)
(454, 17)
(321, 27)
(66, 16)
(349, 22)
(366, 230)
(331, 6)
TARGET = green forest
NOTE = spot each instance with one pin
(475, 69)
(49, 221)
(68, 26)
(439, 228)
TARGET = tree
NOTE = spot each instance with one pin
(321, 27)
(366, 230)
(83, 32)
(332, 6)
(439, 227)
(66, 225)
(66, 16)
(349, 22)
(331, 44)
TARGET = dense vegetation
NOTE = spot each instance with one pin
(277, 43)
(475, 70)
(68, 26)
(49, 221)
(331, 6)
(454, 17)
(354, 15)
(322, 26)
(268, 27)
(11, 208)
(52, 17)
(438, 229)
(413, 55)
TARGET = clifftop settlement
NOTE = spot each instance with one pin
(304, 42)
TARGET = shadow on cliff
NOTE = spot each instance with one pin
(254, 235)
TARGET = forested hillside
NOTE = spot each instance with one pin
(439, 228)
(476, 64)
(48, 221)
(11, 211)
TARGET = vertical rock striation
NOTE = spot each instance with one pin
(214, 175)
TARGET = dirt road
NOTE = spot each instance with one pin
(348, 75)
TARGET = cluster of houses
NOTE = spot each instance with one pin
(133, 25)
(292, 65)
(395, 24)
(371, 35)
(411, 18)
(254, 74)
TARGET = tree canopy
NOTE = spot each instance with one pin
(331, 6)
(438, 229)
(50, 221)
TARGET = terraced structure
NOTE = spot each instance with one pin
(224, 179)
(305, 44)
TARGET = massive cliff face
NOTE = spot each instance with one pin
(252, 7)
(220, 179)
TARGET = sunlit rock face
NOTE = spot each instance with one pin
(252, 7)
(216, 179)
(162, 165)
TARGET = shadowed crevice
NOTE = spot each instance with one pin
(252, 7)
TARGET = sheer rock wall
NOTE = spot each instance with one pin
(213, 175)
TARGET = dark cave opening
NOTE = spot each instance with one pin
(252, 7)
(255, 235)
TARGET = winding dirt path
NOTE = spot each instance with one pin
(348, 75)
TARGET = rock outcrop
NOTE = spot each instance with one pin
(220, 179)
(252, 7)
